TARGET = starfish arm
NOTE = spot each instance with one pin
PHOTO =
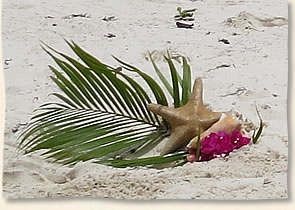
(196, 98)
(168, 113)
(177, 139)
(186, 121)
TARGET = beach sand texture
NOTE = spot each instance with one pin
(251, 69)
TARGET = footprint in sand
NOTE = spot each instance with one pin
(36, 172)
(14, 176)
(246, 21)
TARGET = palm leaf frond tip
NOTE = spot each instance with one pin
(103, 112)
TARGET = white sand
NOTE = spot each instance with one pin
(258, 62)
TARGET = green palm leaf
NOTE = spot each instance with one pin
(177, 82)
(162, 77)
(158, 161)
(103, 113)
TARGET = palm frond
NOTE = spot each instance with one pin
(187, 84)
(103, 113)
(177, 81)
(174, 159)
(162, 77)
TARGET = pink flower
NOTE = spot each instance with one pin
(238, 140)
(221, 144)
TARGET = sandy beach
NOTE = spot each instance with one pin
(250, 68)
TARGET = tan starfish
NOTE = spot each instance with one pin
(186, 121)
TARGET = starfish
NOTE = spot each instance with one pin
(187, 121)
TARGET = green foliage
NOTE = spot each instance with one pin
(185, 13)
(157, 161)
(257, 135)
(102, 114)
(180, 97)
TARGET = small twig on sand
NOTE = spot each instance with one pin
(17, 127)
(225, 41)
(110, 35)
(109, 18)
(84, 15)
(184, 25)
(218, 67)
(238, 92)
(49, 17)
(184, 19)
(7, 60)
